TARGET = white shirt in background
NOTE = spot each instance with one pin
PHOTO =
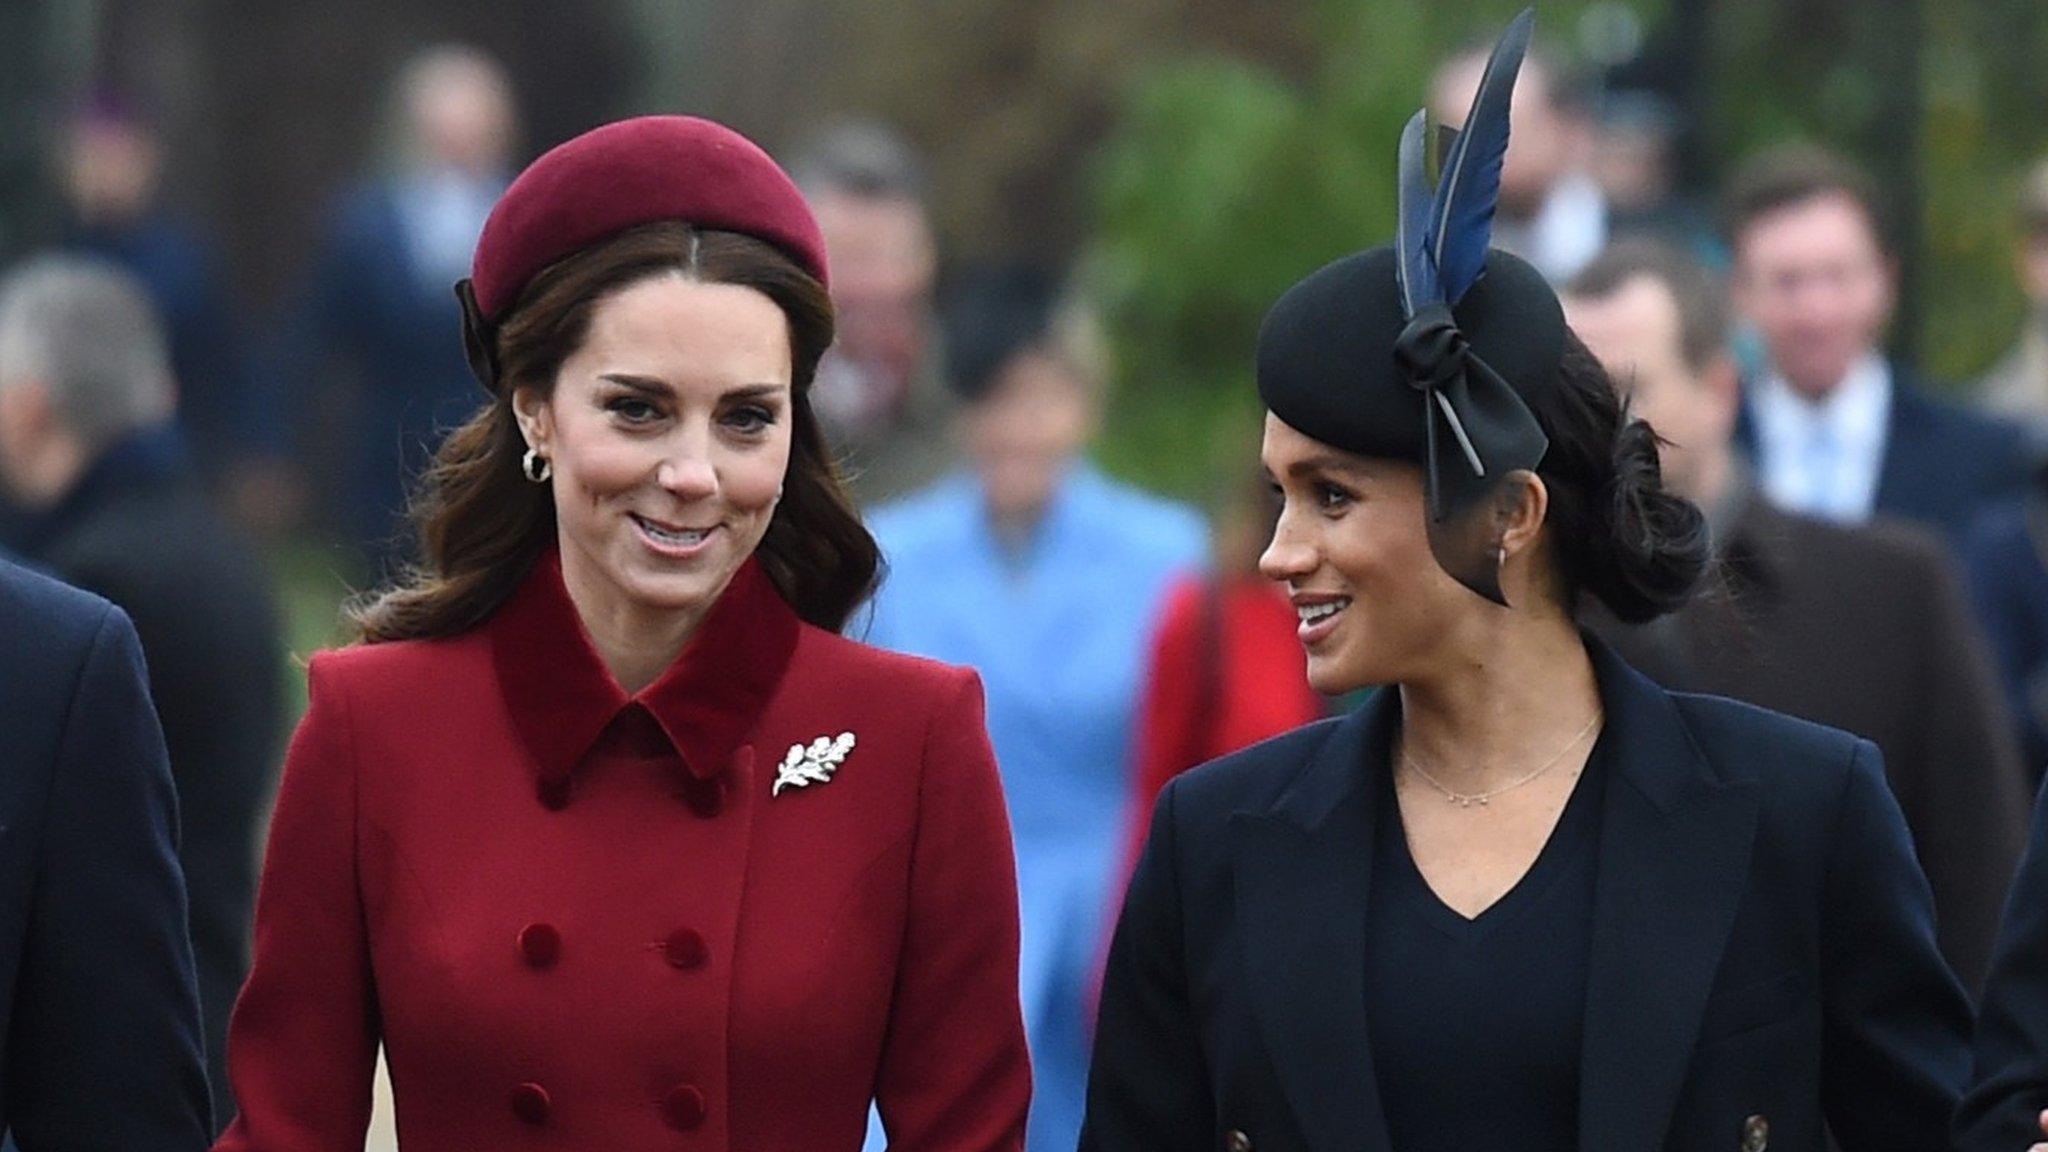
(1824, 458)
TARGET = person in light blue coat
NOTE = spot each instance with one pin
(1047, 576)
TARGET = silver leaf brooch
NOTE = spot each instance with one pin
(813, 763)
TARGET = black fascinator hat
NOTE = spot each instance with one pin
(1424, 350)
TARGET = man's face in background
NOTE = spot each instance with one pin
(883, 263)
(1636, 333)
(2034, 267)
(1813, 279)
(1543, 143)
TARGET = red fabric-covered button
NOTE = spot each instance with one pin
(683, 1107)
(705, 797)
(554, 794)
(530, 1103)
(685, 948)
(540, 945)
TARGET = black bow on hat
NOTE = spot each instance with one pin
(1442, 245)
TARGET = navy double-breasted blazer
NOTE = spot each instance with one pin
(1762, 969)
(99, 1013)
(2010, 1086)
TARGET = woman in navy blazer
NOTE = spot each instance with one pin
(2006, 1108)
(1523, 899)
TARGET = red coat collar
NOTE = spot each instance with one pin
(562, 697)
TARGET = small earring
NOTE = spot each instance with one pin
(535, 467)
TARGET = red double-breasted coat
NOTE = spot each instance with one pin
(579, 920)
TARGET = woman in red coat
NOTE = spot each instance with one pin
(604, 832)
(1227, 670)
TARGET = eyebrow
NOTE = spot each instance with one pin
(1325, 462)
(645, 384)
(653, 387)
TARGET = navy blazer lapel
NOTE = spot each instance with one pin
(1906, 462)
(1303, 870)
(1675, 846)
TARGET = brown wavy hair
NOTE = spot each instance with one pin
(479, 525)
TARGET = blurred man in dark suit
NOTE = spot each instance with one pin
(1865, 629)
(379, 327)
(2006, 551)
(882, 390)
(99, 1019)
(1553, 212)
(88, 444)
(1836, 429)
(2017, 386)
(112, 165)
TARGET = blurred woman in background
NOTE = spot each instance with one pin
(1044, 574)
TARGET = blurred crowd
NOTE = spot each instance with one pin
(1882, 538)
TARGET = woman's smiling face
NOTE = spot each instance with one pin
(1352, 548)
(668, 431)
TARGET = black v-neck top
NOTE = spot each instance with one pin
(1476, 1024)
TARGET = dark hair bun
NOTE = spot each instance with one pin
(1656, 545)
(1620, 535)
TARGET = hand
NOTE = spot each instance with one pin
(2041, 1120)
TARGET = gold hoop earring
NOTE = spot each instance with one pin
(535, 467)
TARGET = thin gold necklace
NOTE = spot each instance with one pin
(1468, 799)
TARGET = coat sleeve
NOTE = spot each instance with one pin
(104, 1048)
(955, 1075)
(303, 1043)
(2010, 1086)
(1895, 1050)
(1148, 1084)
(1968, 806)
